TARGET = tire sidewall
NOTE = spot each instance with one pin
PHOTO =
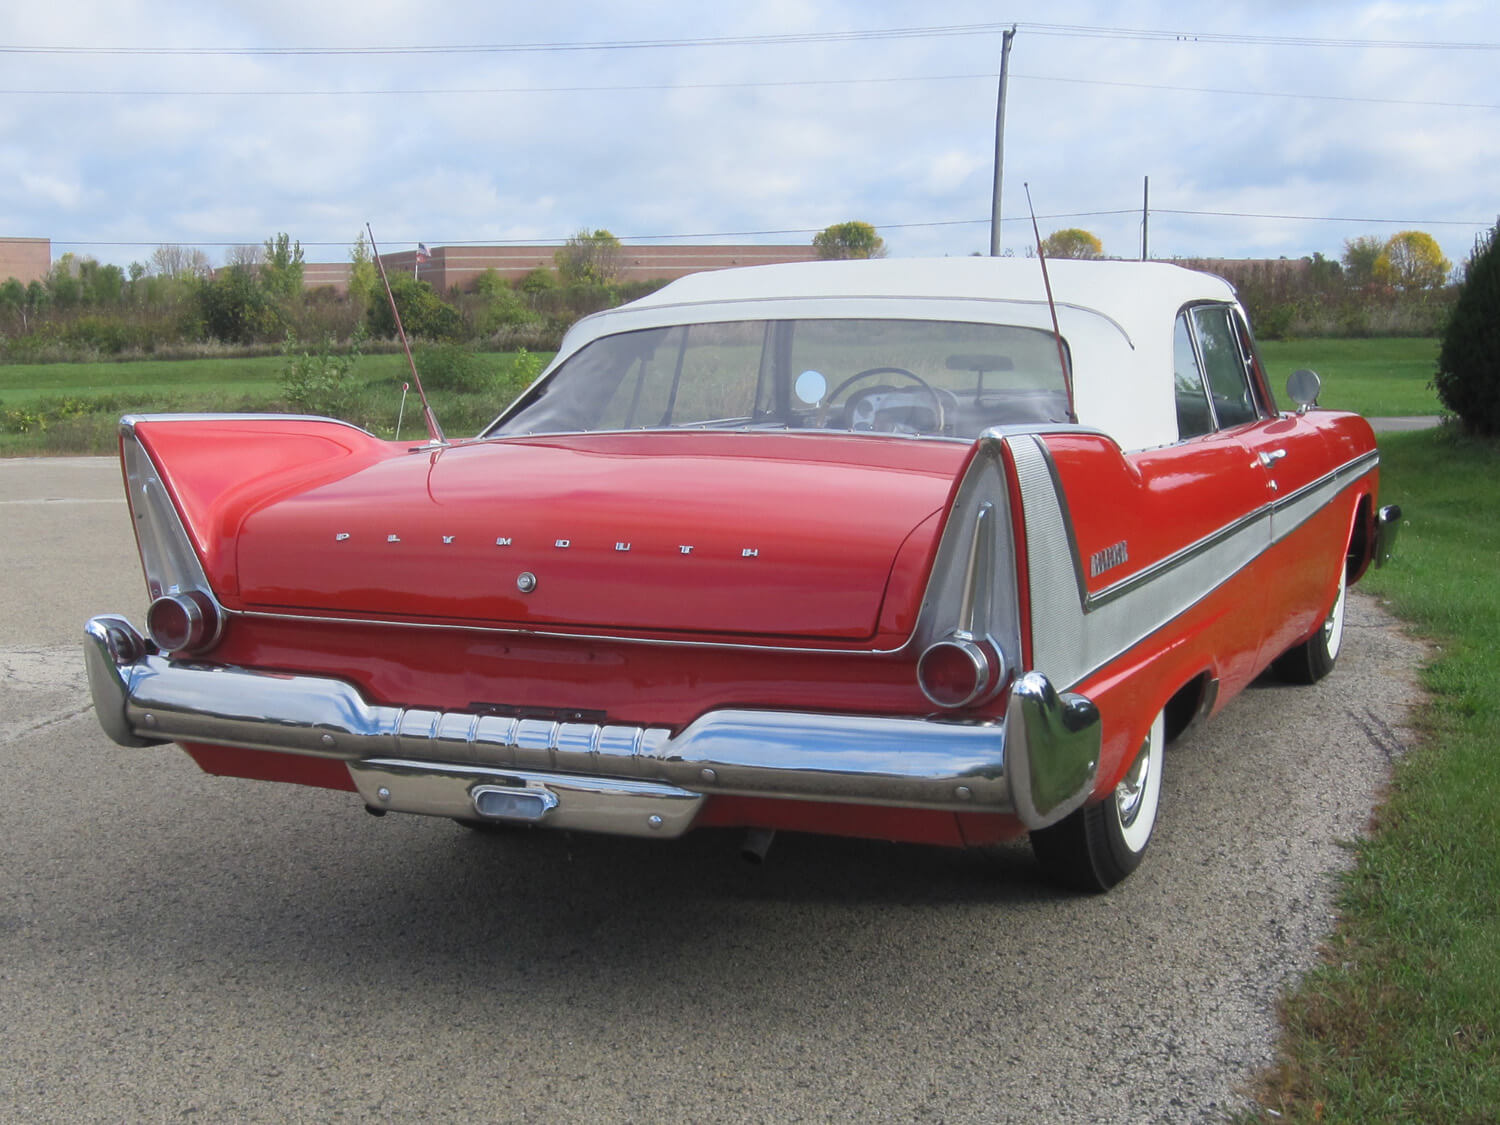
(1127, 843)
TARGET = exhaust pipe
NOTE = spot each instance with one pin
(756, 844)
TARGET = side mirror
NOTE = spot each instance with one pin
(1303, 387)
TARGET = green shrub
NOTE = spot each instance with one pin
(319, 382)
(84, 433)
(539, 280)
(1468, 374)
(524, 368)
(236, 310)
(424, 314)
(452, 367)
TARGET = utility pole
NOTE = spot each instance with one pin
(1145, 218)
(1005, 42)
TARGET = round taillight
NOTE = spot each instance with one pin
(955, 673)
(186, 622)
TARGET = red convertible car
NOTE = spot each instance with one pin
(865, 548)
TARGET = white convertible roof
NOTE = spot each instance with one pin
(1134, 294)
(1117, 317)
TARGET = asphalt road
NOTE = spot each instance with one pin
(179, 947)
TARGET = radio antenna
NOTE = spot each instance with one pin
(434, 431)
(1062, 355)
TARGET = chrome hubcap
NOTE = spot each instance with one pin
(1133, 786)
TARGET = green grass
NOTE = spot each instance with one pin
(25, 383)
(1377, 378)
(1402, 1021)
(61, 408)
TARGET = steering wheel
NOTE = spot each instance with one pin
(871, 372)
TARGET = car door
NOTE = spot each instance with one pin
(1290, 455)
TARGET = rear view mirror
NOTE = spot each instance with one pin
(1303, 387)
(980, 363)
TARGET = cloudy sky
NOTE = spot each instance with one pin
(1262, 125)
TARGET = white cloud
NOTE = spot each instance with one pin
(708, 158)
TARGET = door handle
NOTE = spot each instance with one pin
(1270, 457)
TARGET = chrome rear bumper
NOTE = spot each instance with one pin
(1039, 763)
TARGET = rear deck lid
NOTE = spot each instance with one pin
(782, 535)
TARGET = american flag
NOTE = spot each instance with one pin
(422, 253)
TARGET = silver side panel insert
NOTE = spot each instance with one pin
(1075, 633)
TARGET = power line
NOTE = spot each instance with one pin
(821, 37)
(826, 37)
(1325, 218)
(792, 82)
(1075, 31)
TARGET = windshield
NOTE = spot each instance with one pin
(941, 378)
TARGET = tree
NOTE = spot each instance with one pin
(423, 312)
(177, 262)
(1360, 256)
(1323, 273)
(853, 239)
(246, 255)
(1412, 260)
(235, 309)
(101, 285)
(63, 287)
(592, 257)
(13, 297)
(1073, 242)
(1468, 374)
(363, 277)
(281, 268)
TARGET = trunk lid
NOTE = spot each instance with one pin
(784, 535)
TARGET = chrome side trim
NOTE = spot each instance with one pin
(1076, 633)
(1048, 743)
(1291, 511)
(584, 804)
(559, 635)
(128, 422)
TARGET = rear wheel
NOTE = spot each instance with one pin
(1314, 658)
(1100, 844)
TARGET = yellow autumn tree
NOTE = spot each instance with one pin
(1412, 260)
(1073, 242)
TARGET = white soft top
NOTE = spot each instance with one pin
(1117, 317)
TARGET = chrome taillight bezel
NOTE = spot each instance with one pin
(972, 603)
(185, 622)
(977, 656)
(174, 573)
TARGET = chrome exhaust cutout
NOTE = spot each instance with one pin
(756, 844)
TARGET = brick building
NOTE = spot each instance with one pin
(25, 259)
(462, 266)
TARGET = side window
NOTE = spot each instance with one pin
(1193, 415)
(1224, 365)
